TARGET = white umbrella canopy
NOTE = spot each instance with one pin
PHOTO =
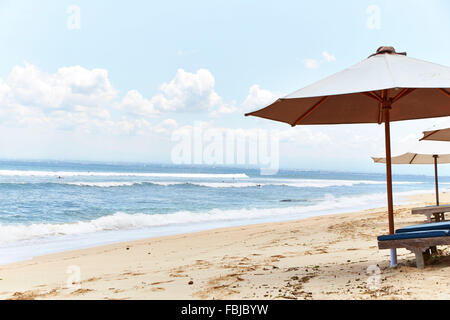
(387, 86)
(420, 158)
(343, 97)
(416, 158)
(437, 135)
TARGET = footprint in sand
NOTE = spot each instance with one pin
(157, 289)
(129, 273)
(32, 294)
(161, 282)
(81, 291)
(178, 274)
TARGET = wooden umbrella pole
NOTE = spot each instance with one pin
(389, 170)
(436, 178)
(387, 135)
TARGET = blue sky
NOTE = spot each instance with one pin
(143, 69)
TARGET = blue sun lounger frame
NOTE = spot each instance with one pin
(418, 239)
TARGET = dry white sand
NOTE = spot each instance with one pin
(325, 257)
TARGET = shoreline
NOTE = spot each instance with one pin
(321, 257)
(54, 245)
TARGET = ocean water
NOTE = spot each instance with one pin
(47, 207)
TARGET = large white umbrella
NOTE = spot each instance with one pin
(387, 86)
(420, 158)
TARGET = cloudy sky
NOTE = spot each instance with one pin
(113, 80)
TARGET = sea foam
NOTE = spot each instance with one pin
(293, 183)
(35, 173)
(125, 221)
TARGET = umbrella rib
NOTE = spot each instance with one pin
(372, 95)
(310, 110)
(413, 158)
(445, 92)
(403, 93)
(251, 113)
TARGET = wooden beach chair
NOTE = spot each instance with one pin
(420, 239)
(436, 213)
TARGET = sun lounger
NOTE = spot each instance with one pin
(444, 225)
(432, 212)
(416, 241)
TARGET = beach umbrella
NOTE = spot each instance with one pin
(420, 158)
(437, 135)
(387, 86)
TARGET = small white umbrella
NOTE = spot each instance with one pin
(420, 158)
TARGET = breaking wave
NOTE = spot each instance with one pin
(300, 183)
(123, 221)
(34, 173)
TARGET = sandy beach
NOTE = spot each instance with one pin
(324, 257)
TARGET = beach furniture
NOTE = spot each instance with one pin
(421, 239)
(387, 86)
(418, 242)
(418, 158)
(433, 213)
(445, 225)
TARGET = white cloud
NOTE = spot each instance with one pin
(311, 63)
(328, 56)
(73, 98)
(71, 94)
(166, 126)
(192, 92)
(83, 96)
(4, 91)
(64, 89)
(186, 92)
(135, 104)
(314, 63)
(258, 98)
(224, 109)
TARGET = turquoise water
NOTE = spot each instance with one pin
(52, 206)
